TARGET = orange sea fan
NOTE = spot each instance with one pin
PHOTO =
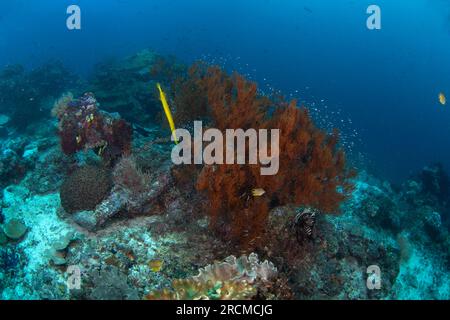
(312, 170)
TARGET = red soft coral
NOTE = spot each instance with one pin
(312, 169)
(83, 126)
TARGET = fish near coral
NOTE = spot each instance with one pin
(259, 192)
(156, 265)
(162, 97)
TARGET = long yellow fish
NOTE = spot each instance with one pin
(162, 97)
(442, 98)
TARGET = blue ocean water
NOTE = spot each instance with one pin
(386, 81)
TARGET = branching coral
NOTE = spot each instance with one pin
(189, 98)
(312, 169)
(140, 188)
(83, 126)
(233, 279)
(127, 175)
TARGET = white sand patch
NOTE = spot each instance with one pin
(45, 228)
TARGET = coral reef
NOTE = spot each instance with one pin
(82, 126)
(133, 192)
(190, 100)
(436, 182)
(127, 86)
(331, 265)
(146, 214)
(16, 158)
(312, 168)
(26, 96)
(430, 188)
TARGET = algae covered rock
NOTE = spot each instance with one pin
(15, 229)
(58, 259)
(57, 253)
(63, 242)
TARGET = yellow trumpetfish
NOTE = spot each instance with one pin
(162, 97)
